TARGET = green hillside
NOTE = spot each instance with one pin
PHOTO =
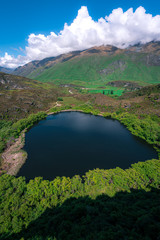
(104, 203)
(20, 96)
(90, 69)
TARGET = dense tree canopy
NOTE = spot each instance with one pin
(103, 204)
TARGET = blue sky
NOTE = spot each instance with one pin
(21, 18)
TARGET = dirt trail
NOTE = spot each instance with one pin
(70, 92)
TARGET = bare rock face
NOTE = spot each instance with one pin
(153, 60)
(116, 65)
(10, 82)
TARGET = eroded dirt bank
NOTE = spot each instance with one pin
(14, 157)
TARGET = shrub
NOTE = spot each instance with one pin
(59, 99)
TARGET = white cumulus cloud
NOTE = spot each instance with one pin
(120, 29)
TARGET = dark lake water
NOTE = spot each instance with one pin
(72, 143)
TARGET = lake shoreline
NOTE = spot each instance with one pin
(14, 157)
(62, 135)
(72, 110)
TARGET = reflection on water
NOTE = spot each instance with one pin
(72, 143)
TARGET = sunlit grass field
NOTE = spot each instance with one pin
(111, 91)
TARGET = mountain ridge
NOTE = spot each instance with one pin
(101, 64)
(6, 70)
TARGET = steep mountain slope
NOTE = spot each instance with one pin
(42, 64)
(140, 63)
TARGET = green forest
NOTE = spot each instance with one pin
(102, 204)
(9, 130)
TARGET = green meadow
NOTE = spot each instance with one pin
(110, 91)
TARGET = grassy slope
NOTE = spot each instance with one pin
(108, 91)
(20, 96)
(85, 70)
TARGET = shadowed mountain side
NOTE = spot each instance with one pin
(130, 216)
(6, 70)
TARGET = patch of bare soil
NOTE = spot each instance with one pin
(14, 157)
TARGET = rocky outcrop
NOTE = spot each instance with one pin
(10, 82)
(116, 65)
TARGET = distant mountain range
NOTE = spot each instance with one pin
(139, 63)
(6, 70)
